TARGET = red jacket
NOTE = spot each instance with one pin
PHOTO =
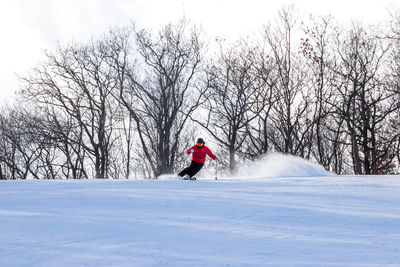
(199, 154)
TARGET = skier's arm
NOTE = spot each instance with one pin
(210, 154)
(190, 150)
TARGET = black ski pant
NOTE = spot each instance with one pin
(194, 168)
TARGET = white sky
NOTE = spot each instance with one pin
(27, 27)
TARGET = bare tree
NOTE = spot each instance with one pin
(164, 91)
(121, 59)
(234, 99)
(363, 100)
(393, 78)
(260, 129)
(290, 113)
(318, 48)
(68, 137)
(21, 145)
(77, 81)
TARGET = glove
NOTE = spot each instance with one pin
(216, 159)
(191, 150)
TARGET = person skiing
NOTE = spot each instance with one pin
(199, 153)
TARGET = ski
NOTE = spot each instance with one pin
(190, 178)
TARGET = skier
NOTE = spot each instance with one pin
(199, 152)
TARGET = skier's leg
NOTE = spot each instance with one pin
(195, 168)
(187, 170)
(184, 172)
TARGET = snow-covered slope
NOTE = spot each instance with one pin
(275, 221)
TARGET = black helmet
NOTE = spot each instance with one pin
(200, 142)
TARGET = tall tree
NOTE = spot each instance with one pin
(78, 81)
(318, 48)
(363, 100)
(290, 113)
(164, 90)
(235, 97)
(22, 145)
(260, 129)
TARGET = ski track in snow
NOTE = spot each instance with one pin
(286, 221)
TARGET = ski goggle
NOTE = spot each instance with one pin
(200, 144)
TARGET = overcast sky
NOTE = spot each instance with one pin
(27, 27)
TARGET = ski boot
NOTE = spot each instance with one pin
(187, 177)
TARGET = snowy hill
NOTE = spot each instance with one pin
(313, 220)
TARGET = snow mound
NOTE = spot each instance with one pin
(280, 165)
(169, 177)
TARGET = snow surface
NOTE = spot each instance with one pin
(310, 220)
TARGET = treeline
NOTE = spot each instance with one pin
(127, 105)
